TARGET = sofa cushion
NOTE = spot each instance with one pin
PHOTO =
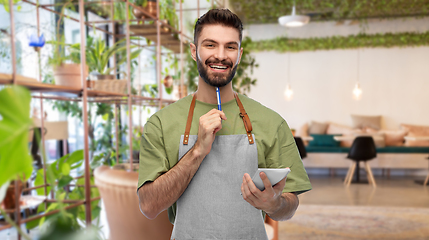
(303, 130)
(324, 140)
(394, 137)
(361, 121)
(416, 131)
(334, 128)
(317, 127)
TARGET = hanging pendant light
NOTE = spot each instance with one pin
(357, 91)
(288, 91)
(294, 20)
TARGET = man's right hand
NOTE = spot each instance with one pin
(210, 123)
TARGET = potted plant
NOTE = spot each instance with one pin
(148, 5)
(97, 59)
(98, 55)
(67, 70)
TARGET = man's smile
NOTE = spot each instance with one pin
(218, 67)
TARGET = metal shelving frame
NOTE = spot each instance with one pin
(85, 95)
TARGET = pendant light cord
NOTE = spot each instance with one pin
(358, 66)
(288, 69)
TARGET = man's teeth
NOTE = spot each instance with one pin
(218, 67)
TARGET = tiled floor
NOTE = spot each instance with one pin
(396, 209)
(396, 191)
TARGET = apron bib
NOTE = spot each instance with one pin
(211, 206)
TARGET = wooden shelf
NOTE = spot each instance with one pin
(57, 92)
(168, 39)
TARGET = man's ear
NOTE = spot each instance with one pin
(193, 51)
(241, 53)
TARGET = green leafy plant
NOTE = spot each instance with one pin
(168, 11)
(5, 4)
(323, 10)
(98, 54)
(14, 126)
(150, 90)
(59, 177)
(15, 161)
(242, 81)
(60, 55)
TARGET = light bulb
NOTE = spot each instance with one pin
(288, 93)
(357, 92)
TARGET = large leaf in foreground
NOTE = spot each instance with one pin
(14, 125)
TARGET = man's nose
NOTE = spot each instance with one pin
(220, 53)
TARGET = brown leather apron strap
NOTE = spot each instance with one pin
(243, 115)
(189, 121)
(246, 119)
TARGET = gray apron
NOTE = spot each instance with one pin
(212, 207)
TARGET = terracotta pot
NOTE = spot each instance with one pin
(137, 13)
(150, 8)
(10, 198)
(168, 81)
(68, 74)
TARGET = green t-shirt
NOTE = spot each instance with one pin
(159, 148)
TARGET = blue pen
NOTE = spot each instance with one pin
(219, 107)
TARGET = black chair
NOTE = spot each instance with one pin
(301, 147)
(362, 150)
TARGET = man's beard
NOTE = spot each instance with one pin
(217, 79)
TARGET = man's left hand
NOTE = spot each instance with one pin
(268, 200)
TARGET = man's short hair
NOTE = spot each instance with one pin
(218, 16)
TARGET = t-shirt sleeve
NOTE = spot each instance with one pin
(153, 158)
(284, 153)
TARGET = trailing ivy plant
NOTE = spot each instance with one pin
(387, 40)
(255, 11)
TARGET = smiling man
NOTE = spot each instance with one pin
(196, 161)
